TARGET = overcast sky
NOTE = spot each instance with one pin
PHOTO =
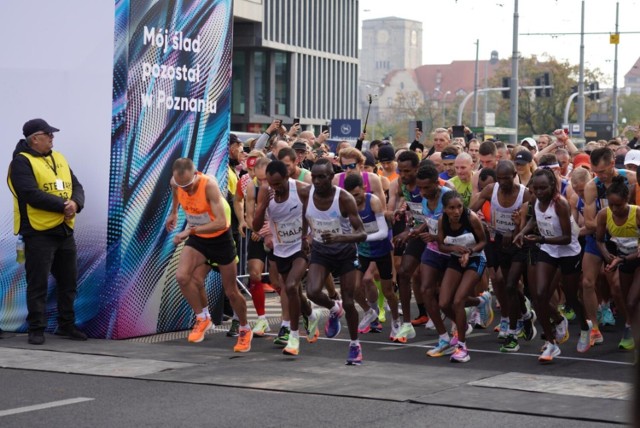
(450, 29)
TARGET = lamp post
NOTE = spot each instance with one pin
(494, 59)
(444, 109)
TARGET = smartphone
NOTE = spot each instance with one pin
(419, 125)
(458, 131)
(296, 121)
(566, 131)
(325, 128)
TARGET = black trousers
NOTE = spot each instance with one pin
(56, 255)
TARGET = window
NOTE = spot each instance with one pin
(261, 83)
(282, 83)
(239, 89)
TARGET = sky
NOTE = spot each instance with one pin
(450, 29)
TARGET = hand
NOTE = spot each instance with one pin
(464, 260)
(171, 222)
(516, 218)
(426, 237)
(324, 136)
(242, 226)
(400, 239)
(561, 136)
(518, 240)
(274, 126)
(70, 208)
(306, 248)
(331, 238)
(182, 236)
(534, 239)
(461, 250)
(255, 237)
(363, 135)
(282, 130)
(294, 130)
(467, 131)
(418, 134)
(613, 264)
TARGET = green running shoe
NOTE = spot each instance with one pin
(627, 343)
(510, 344)
(234, 330)
(283, 336)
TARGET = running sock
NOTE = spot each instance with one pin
(627, 325)
(511, 332)
(262, 317)
(202, 315)
(336, 307)
(354, 343)
(286, 324)
(245, 327)
(205, 310)
(257, 295)
(462, 345)
(422, 311)
(235, 316)
(445, 337)
(312, 316)
(295, 334)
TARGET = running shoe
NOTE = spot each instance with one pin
(529, 328)
(485, 310)
(234, 330)
(420, 320)
(268, 289)
(394, 331)
(443, 348)
(596, 336)
(562, 331)
(549, 351)
(568, 312)
(585, 342)
(599, 314)
(355, 355)
(627, 343)
(460, 355)
(405, 332)
(454, 330)
(382, 314)
(430, 325)
(607, 316)
(244, 341)
(311, 326)
(365, 323)
(510, 344)
(199, 329)
(293, 346)
(332, 327)
(283, 336)
(375, 326)
(261, 327)
(504, 326)
(520, 328)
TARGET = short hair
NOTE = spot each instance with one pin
(505, 164)
(449, 151)
(619, 187)
(563, 152)
(488, 148)
(488, 172)
(580, 175)
(601, 154)
(464, 156)
(375, 143)
(427, 172)
(182, 165)
(352, 153)
(409, 156)
(352, 181)
(277, 167)
(427, 162)
(547, 159)
(323, 162)
(287, 152)
(261, 163)
(500, 145)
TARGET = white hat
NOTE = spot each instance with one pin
(531, 142)
(632, 157)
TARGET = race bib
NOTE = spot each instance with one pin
(416, 212)
(432, 223)
(626, 246)
(546, 228)
(466, 240)
(324, 226)
(502, 221)
(371, 227)
(288, 232)
(198, 219)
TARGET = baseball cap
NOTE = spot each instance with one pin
(523, 157)
(32, 126)
(632, 157)
(582, 159)
(386, 153)
(300, 145)
(620, 161)
(530, 142)
(233, 139)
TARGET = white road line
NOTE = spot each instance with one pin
(386, 346)
(44, 406)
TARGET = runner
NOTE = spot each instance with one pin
(282, 200)
(336, 227)
(208, 240)
(461, 235)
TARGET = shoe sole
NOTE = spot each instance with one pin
(440, 354)
(464, 360)
(337, 332)
(507, 350)
(364, 330)
(292, 352)
(353, 363)
(242, 350)
(314, 338)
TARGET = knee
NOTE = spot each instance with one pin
(255, 277)
(458, 304)
(182, 278)
(588, 284)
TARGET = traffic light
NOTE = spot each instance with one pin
(506, 94)
(546, 80)
(595, 86)
(539, 91)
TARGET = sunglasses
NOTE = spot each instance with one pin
(182, 186)
(48, 134)
(350, 166)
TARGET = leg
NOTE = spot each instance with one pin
(316, 279)
(468, 281)
(239, 305)
(292, 287)
(256, 267)
(514, 293)
(591, 265)
(430, 278)
(65, 271)
(542, 296)
(190, 260)
(408, 266)
(347, 287)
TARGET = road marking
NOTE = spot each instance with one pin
(44, 406)
(560, 385)
(388, 345)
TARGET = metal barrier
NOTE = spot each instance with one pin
(243, 265)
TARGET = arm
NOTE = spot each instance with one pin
(601, 230)
(215, 202)
(360, 140)
(172, 220)
(238, 209)
(26, 187)
(348, 209)
(383, 229)
(446, 248)
(264, 197)
(376, 189)
(478, 230)
(483, 196)
(590, 195)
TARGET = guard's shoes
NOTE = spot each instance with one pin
(71, 332)
(36, 337)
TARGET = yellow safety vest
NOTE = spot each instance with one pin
(46, 176)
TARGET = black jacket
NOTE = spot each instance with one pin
(27, 191)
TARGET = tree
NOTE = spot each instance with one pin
(629, 109)
(539, 115)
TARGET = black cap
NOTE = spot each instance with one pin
(300, 145)
(416, 145)
(620, 161)
(37, 125)
(386, 153)
(369, 159)
(233, 139)
(523, 156)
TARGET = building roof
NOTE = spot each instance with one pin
(635, 70)
(437, 79)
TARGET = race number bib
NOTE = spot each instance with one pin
(288, 232)
(198, 219)
(502, 221)
(371, 227)
(466, 240)
(546, 228)
(324, 226)
(432, 223)
(626, 246)
(416, 212)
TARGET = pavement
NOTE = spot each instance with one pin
(592, 389)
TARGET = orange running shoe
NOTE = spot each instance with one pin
(244, 341)
(199, 330)
(420, 320)
(268, 288)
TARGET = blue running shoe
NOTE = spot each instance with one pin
(355, 355)
(332, 327)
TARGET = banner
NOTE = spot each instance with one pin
(345, 128)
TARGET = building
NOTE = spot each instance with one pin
(294, 58)
(632, 79)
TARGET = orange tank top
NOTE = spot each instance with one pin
(197, 207)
